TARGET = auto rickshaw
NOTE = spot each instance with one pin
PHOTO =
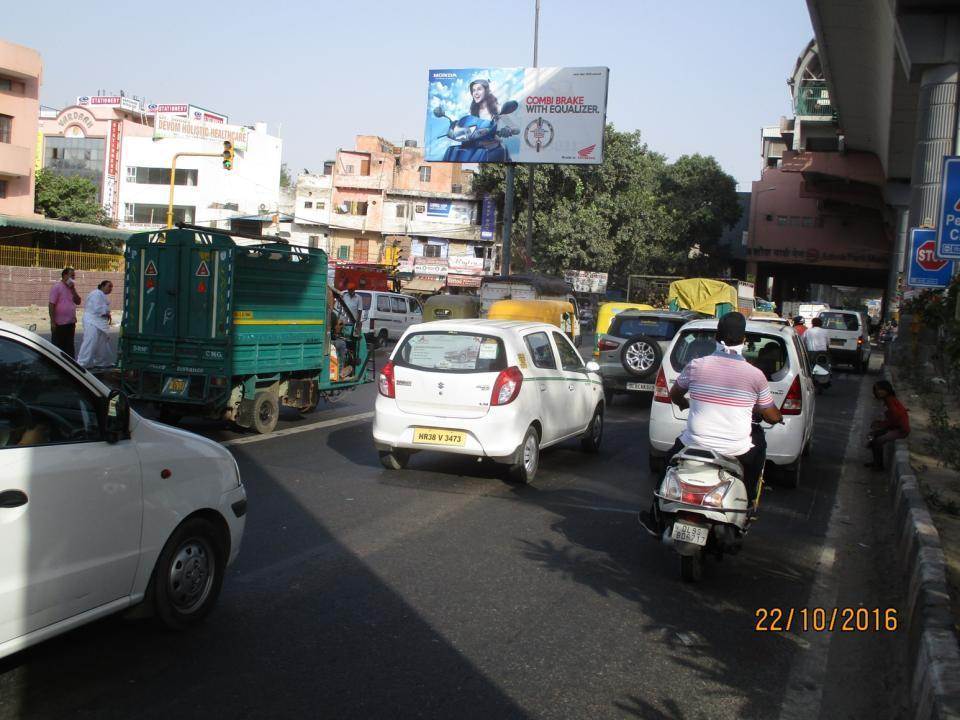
(605, 314)
(711, 297)
(553, 312)
(451, 307)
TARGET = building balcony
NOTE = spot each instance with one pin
(15, 160)
(352, 222)
(364, 182)
(812, 99)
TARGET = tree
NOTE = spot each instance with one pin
(68, 198)
(285, 179)
(633, 214)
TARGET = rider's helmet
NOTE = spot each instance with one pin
(798, 320)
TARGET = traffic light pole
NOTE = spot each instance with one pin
(173, 177)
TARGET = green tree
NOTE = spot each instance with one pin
(285, 179)
(634, 213)
(68, 198)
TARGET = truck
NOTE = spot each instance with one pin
(221, 330)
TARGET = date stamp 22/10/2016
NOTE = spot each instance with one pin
(817, 619)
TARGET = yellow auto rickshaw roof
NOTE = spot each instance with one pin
(702, 294)
(548, 311)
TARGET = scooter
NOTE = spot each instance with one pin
(821, 373)
(703, 508)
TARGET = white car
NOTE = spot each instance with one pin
(101, 509)
(774, 349)
(500, 389)
(386, 314)
(848, 333)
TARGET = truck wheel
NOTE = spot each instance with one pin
(524, 471)
(381, 339)
(266, 412)
(395, 459)
(189, 573)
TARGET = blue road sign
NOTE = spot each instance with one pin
(927, 269)
(948, 227)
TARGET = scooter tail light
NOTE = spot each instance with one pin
(715, 497)
(661, 392)
(385, 382)
(793, 402)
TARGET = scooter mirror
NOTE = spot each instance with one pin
(509, 107)
(438, 111)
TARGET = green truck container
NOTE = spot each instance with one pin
(223, 330)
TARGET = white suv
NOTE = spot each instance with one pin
(778, 352)
(501, 389)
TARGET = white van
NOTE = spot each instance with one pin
(386, 315)
(849, 337)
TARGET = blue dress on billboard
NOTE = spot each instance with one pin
(479, 141)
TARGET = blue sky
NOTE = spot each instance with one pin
(691, 75)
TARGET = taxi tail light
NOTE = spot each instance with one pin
(793, 402)
(507, 386)
(385, 381)
(661, 393)
(605, 344)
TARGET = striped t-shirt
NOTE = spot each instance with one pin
(724, 389)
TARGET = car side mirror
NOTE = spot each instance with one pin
(117, 417)
(593, 366)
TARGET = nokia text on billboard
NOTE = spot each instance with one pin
(518, 115)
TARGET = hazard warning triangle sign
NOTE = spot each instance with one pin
(957, 205)
(203, 270)
(151, 269)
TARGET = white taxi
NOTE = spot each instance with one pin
(499, 389)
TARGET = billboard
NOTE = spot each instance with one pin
(520, 115)
(171, 126)
(121, 101)
(584, 281)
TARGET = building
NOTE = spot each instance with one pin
(20, 75)
(818, 211)
(111, 141)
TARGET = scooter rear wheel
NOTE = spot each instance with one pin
(691, 566)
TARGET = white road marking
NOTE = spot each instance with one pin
(299, 429)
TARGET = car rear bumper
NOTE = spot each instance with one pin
(496, 435)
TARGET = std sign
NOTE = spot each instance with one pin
(948, 229)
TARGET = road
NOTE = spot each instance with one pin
(441, 591)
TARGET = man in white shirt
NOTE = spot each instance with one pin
(816, 338)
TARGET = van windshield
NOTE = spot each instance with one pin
(451, 352)
(766, 352)
(840, 321)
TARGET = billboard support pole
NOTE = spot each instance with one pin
(507, 220)
(532, 168)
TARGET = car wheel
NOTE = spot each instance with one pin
(594, 435)
(791, 474)
(382, 338)
(266, 412)
(608, 396)
(189, 573)
(529, 461)
(395, 459)
(641, 356)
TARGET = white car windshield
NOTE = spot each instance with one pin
(451, 352)
(766, 352)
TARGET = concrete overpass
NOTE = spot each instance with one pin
(892, 68)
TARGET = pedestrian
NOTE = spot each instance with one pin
(894, 425)
(798, 327)
(63, 312)
(816, 338)
(95, 348)
(353, 302)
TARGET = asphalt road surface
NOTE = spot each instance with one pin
(441, 591)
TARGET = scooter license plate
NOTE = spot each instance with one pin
(695, 534)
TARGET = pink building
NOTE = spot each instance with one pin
(20, 74)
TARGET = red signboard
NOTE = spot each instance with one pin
(454, 280)
(927, 257)
(116, 128)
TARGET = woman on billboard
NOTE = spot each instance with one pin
(479, 132)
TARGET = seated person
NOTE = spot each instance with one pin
(343, 355)
(770, 360)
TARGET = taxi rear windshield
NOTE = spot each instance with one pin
(840, 321)
(451, 352)
(766, 352)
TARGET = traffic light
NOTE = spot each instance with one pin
(227, 155)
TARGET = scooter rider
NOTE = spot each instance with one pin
(816, 338)
(724, 392)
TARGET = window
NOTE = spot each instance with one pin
(3, 189)
(6, 128)
(399, 305)
(314, 241)
(40, 404)
(569, 357)
(451, 352)
(348, 169)
(161, 176)
(766, 352)
(433, 251)
(383, 303)
(414, 306)
(540, 351)
(424, 174)
(308, 204)
(6, 85)
(656, 328)
(156, 214)
(321, 205)
(401, 211)
(456, 188)
(840, 321)
(76, 157)
(343, 252)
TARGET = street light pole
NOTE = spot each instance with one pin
(532, 168)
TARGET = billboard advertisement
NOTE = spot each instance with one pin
(584, 281)
(519, 115)
(171, 126)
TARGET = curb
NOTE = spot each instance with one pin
(933, 653)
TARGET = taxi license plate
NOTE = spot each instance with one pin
(648, 387)
(175, 386)
(439, 436)
(838, 341)
(690, 533)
